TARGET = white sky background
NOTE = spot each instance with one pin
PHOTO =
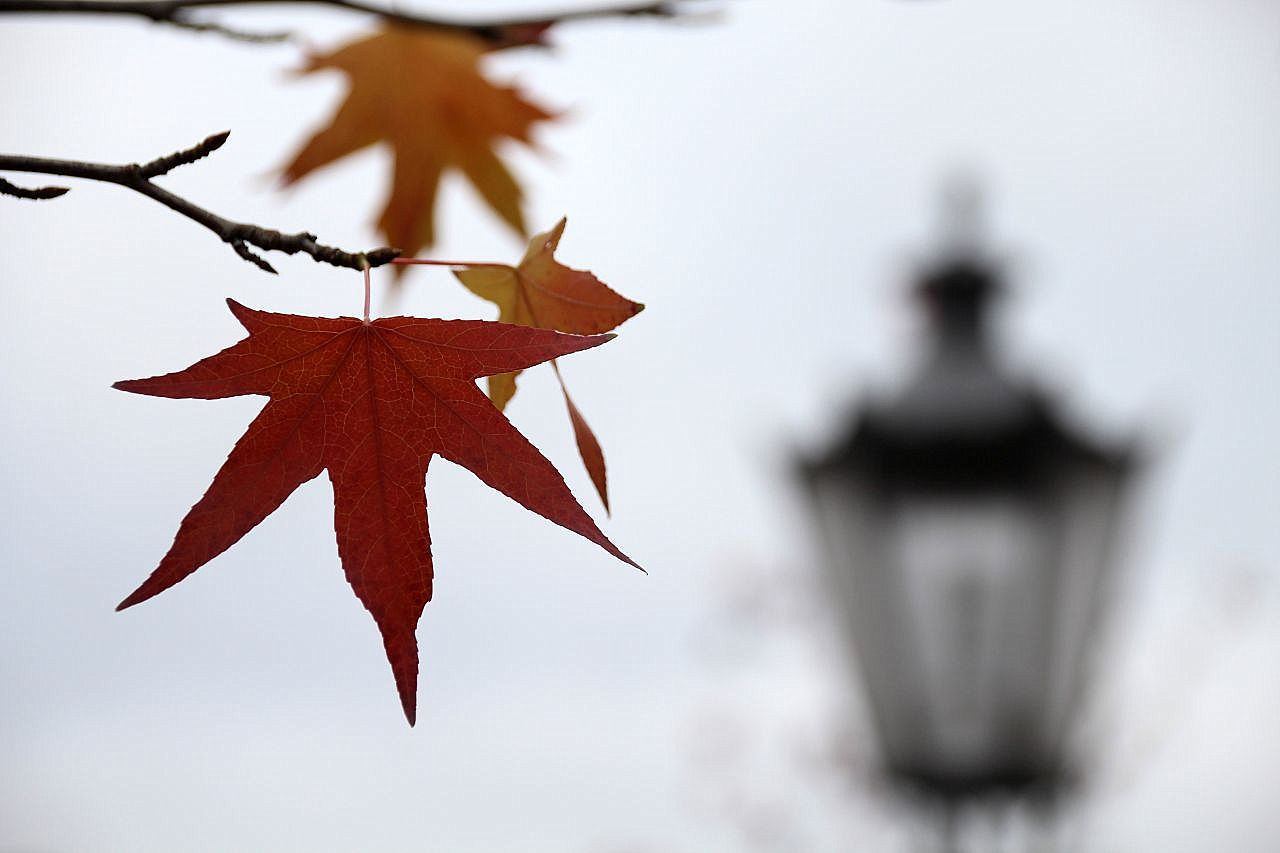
(758, 183)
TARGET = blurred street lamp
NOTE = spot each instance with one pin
(968, 535)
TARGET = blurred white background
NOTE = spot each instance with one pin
(759, 182)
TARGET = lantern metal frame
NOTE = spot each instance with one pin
(969, 535)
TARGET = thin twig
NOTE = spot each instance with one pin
(186, 23)
(507, 32)
(37, 194)
(239, 235)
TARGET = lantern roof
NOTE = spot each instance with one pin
(962, 419)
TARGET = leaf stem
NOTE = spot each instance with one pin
(431, 263)
(367, 289)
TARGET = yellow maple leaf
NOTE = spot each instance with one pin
(545, 293)
(421, 92)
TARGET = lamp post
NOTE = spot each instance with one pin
(968, 535)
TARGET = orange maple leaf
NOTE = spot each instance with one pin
(421, 92)
(372, 403)
(544, 293)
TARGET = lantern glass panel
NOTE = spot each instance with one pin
(976, 578)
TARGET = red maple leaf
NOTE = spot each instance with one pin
(371, 402)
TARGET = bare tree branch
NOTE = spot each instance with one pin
(239, 235)
(508, 32)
